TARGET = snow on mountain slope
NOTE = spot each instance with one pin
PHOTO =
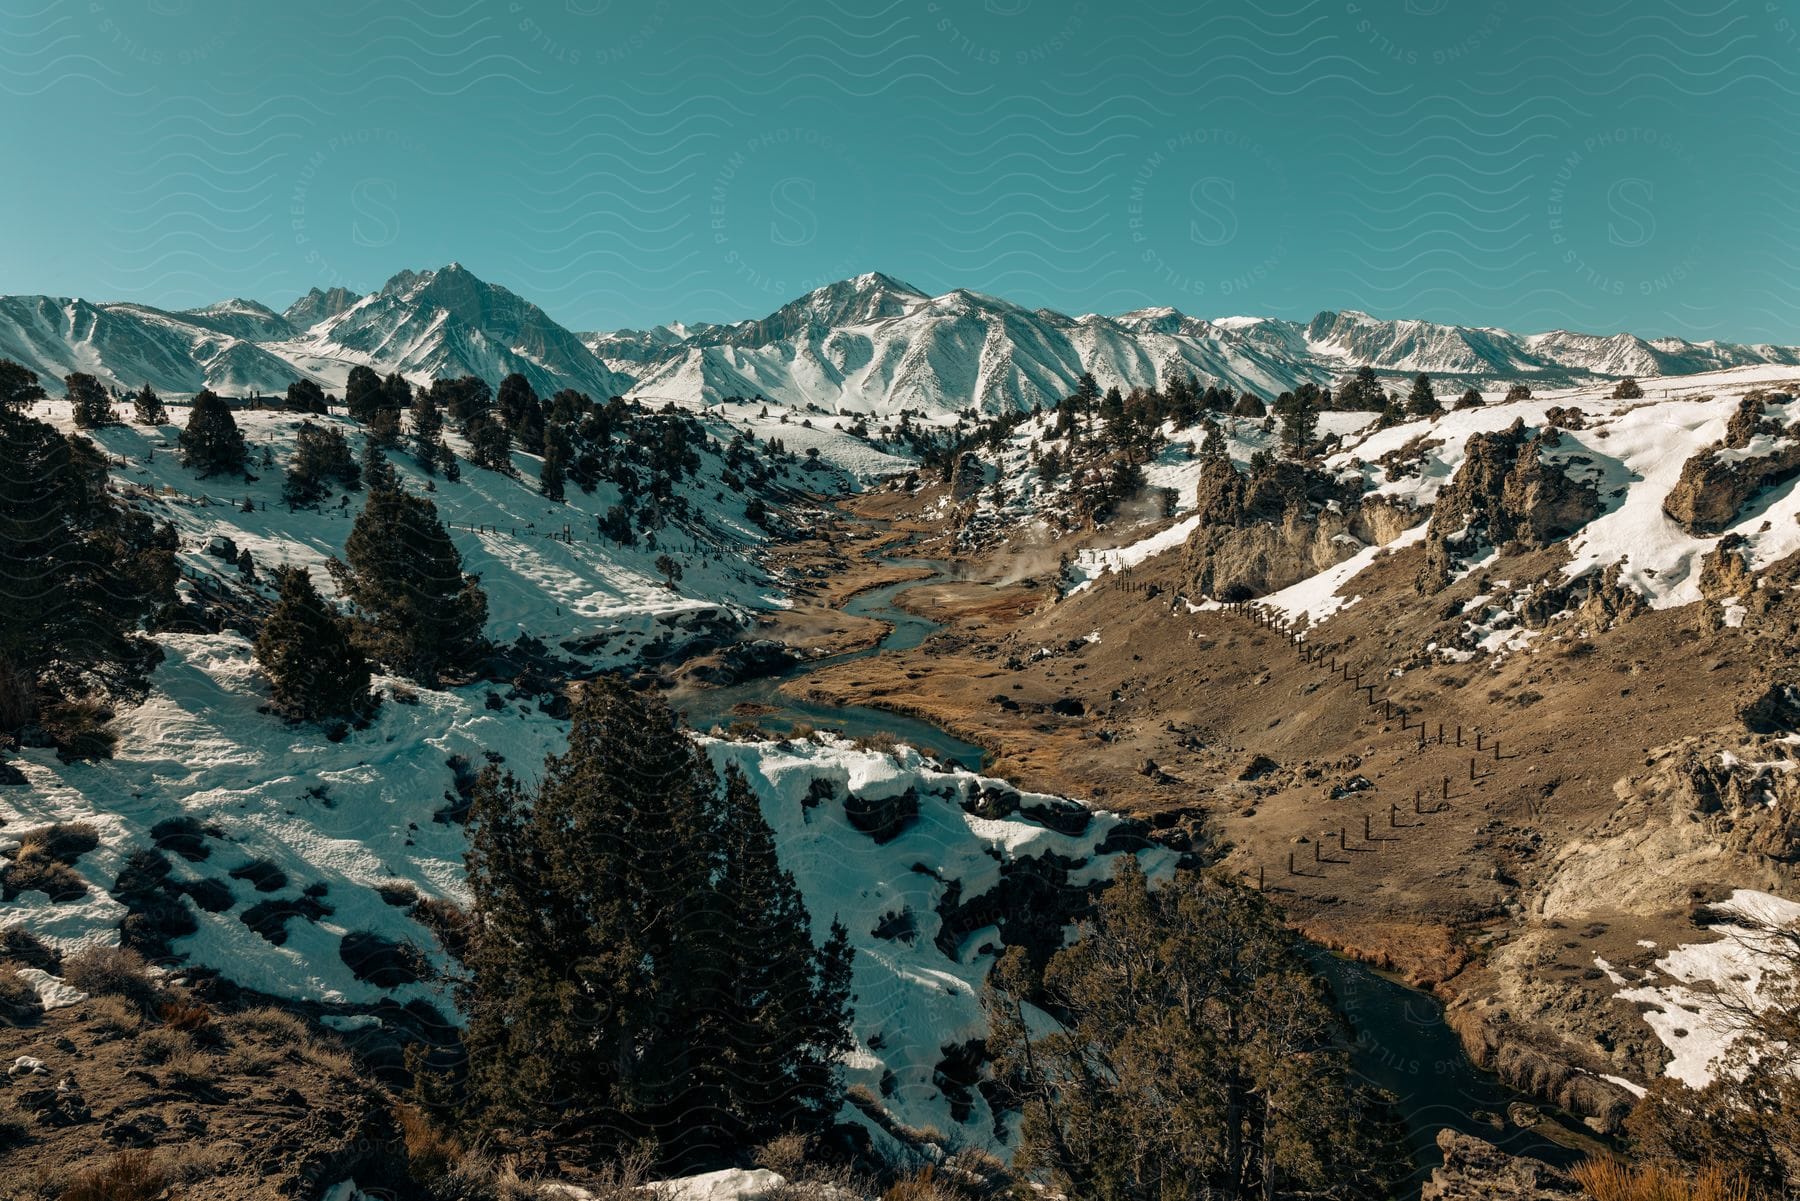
(317, 305)
(244, 319)
(870, 344)
(450, 323)
(128, 345)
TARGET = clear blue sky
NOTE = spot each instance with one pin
(1600, 164)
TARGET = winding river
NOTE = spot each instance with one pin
(1401, 1041)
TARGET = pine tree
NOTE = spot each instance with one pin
(1212, 447)
(1190, 1053)
(465, 401)
(783, 1014)
(315, 672)
(148, 407)
(1519, 391)
(211, 443)
(1249, 404)
(1422, 401)
(521, 412)
(1299, 421)
(556, 454)
(1628, 389)
(419, 613)
(615, 995)
(1470, 399)
(79, 571)
(490, 446)
(19, 387)
(91, 406)
(430, 450)
(362, 393)
(321, 458)
(377, 472)
(305, 396)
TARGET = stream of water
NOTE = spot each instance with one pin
(1401, 1042)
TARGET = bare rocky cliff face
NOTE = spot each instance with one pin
(1756, 453)
(1278, 526)
(1504, 495)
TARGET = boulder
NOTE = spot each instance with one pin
(1719, 479)
(1504, 493)
(1474, 1170)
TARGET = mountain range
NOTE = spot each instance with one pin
(867, 344)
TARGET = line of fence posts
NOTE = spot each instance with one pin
(1308, 653)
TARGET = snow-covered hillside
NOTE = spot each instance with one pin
(297, 865)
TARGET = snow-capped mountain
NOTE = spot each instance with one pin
(129, 345)
(870, 344)
(448, 323)
(317, 305)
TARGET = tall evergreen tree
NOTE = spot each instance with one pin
(79, 572)
(1422, 401)
(431, 452)
(490, 446)
(556, 456)
(616, 995)
(305, 396)
(321, 458)
(211, 443)
(783, 1013)
(19, 387)
(1212, 446)
(148, 407)
(419, 613)
(316, 673)
(362, 393)
(521, 412)
(88, 401)
(377, 472)
(1299, 420)
(465, 401)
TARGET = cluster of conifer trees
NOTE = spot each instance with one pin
(80, 573)
(641, 966)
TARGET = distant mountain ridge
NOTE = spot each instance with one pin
(871, 343)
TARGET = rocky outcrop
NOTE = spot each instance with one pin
(1283, 523)
(1474, 1170)
(1503, 494)
(1717, 481)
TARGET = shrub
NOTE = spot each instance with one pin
(187, 1018)
(44, 862)
(110, 972)
(127, 1176)
(1615, 1180)
(113, 1015)
(19, 1003)
(20, 946)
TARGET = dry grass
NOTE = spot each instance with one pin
(431, 1153)
(110, 972)
(1616, 1180)
(190, 1068)
(278, 1024)
(127, 1176)
(19, 1004)
(158, 1046)
(113, 1015)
